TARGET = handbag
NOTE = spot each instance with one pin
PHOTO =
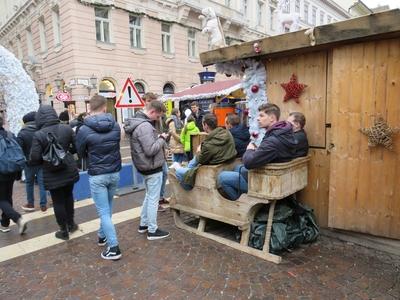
(54, 154)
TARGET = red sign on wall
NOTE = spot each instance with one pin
(63, 96)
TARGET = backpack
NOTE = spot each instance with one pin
(54, 154)
(12, 158)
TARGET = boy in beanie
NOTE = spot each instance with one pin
(24, 139)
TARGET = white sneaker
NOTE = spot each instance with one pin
(21, 225)
(4, 228)
(175, 165)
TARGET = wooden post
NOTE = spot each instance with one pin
(269, 226)
(202, 224)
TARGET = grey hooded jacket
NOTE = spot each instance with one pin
(147, 149)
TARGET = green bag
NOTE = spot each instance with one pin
(293, 224)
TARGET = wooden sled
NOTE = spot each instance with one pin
(266, 186)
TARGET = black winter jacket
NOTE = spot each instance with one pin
(241, 136)
(98, 139)
(47, 121)
(11, 176)
(25, 137)
(199, 119)
(302, 143)
(278, 145)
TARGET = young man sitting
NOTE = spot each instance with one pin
(240, 133)
(298, 120)
(278, 145)
(217, 148)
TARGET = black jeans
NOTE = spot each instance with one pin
(63, 203)
(6, 203)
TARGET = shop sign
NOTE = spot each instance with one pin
(63, 96)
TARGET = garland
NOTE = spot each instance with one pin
(254, 78)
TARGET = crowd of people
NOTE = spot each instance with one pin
(94, 139)
(283, 141)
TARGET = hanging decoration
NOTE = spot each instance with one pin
(236, 68)
(254, 85)
(255, 88)
(380, 134)
(257, 48)
(293, 89)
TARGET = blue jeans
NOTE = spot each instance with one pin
(148, 216)
(234, 183)
(180, 172)
(164, 179)
(178, 157)
(103, 188)
(30, 173)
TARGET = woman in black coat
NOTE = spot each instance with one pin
(6, 191)
(59, 182)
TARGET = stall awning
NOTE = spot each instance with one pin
(206, 90)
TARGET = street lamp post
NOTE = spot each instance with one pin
(58, 81)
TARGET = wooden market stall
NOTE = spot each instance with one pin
(352, 75)
(210, 94)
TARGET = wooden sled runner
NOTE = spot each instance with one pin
(266, 186)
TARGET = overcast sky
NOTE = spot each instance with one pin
(375, 3)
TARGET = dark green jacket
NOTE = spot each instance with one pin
(217, 148)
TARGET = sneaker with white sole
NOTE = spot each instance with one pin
(142, 229)
(111, 253)
(28, 207)
(102, 241)
(21, 225)
(157, 235)
(4, 228)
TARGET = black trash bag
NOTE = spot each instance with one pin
(293, 224)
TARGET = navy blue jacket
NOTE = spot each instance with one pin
(98, 139)
(25, 137)
(241, 136)
(302, 143)
(278, 145)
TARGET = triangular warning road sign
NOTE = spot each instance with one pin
(129, 96)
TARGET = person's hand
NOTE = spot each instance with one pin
(251, 146)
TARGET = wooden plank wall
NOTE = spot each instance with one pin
(364, 191)
(312, 70)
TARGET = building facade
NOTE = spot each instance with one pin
(83, 47)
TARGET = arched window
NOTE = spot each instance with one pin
(168, 89)
(140, 88)
(106, 86)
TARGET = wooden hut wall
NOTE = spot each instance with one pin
(351, 186)
(365, 182)
(311, 69)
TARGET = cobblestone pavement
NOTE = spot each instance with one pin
(185, 266)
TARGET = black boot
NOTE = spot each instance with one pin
(72, 227)
(62, 233)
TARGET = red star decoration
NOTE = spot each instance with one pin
(293, 89)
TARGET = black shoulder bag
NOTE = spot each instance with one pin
(54, 154)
